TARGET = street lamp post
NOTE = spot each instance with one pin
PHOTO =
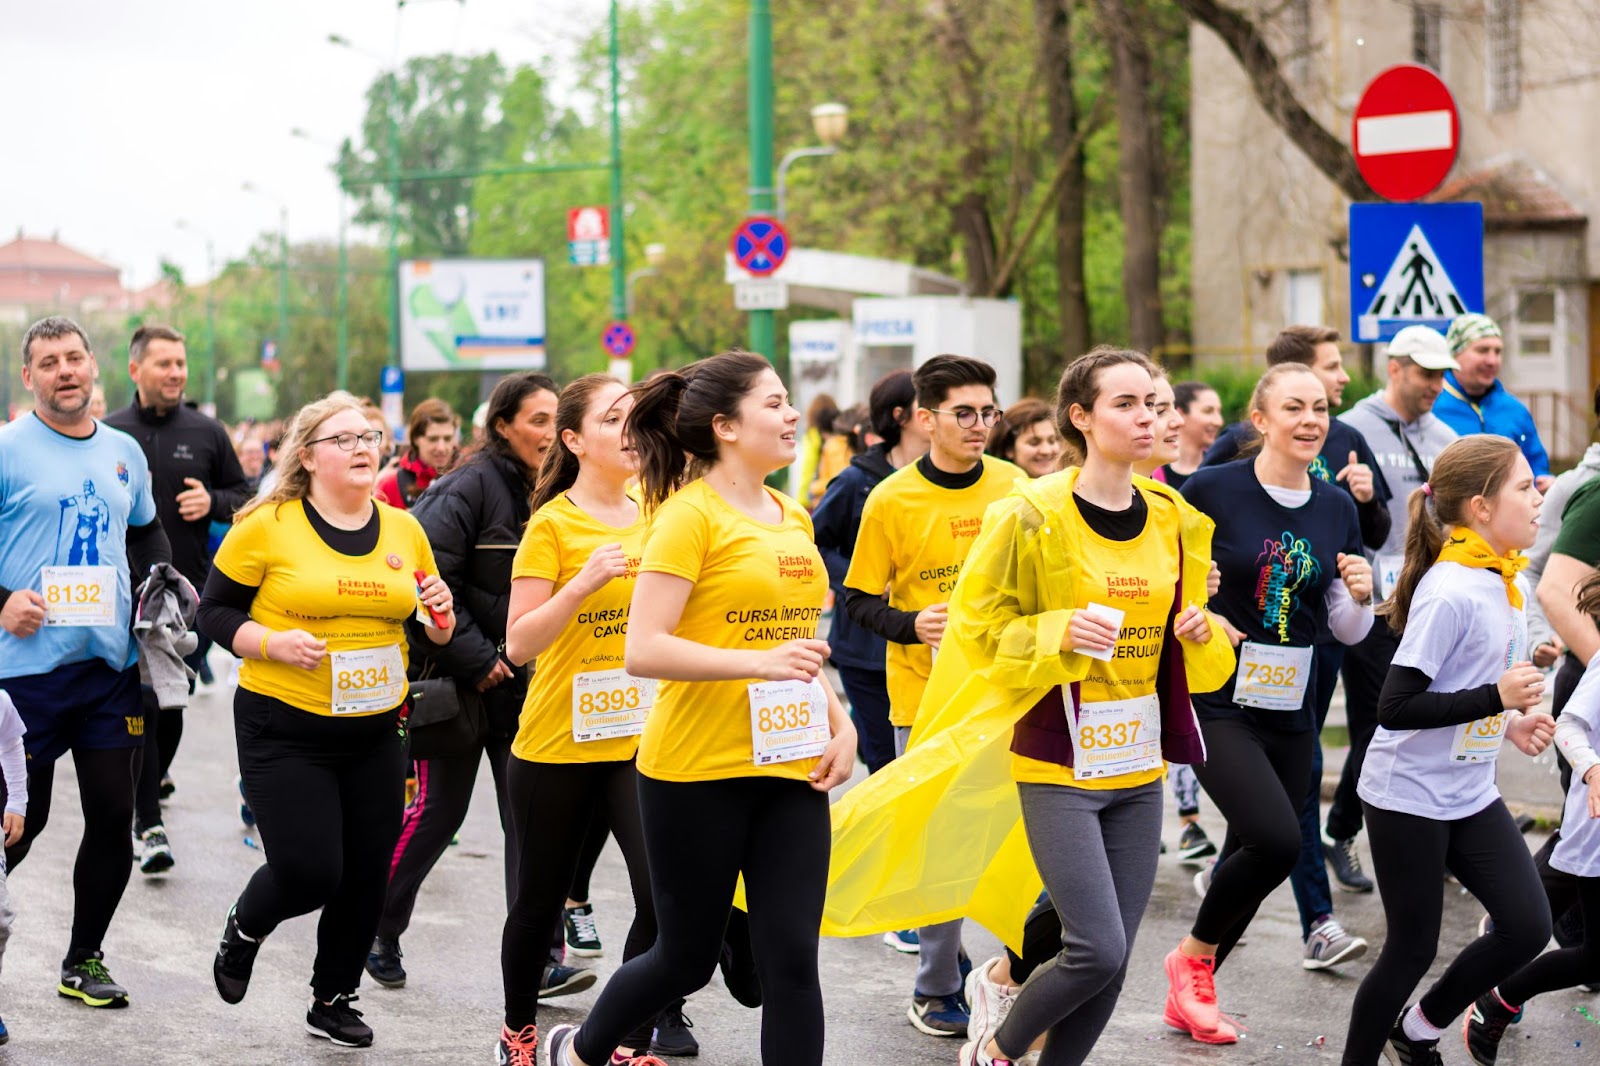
(210, 373)
(830, 121)
(283, 265)
(763, 324)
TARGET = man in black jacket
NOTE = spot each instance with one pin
(196, 479)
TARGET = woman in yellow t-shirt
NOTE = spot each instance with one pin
(746, 736)
(312, 588)
(572, 581)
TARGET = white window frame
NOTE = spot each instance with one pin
(1427, 35)
(1550, 331)
(1297, 316)
(1502, 24)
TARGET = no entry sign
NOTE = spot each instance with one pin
(1407, 132)
(760, 245)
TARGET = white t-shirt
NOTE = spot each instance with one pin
(1463, 633)
(1578, 850)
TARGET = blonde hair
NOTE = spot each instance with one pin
(1469, 467)
(293, 480)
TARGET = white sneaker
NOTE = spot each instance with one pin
(155, 852)
(1329, 945)
(989, 1004)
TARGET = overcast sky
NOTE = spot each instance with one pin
(119, 118)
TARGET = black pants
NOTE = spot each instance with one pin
(594, 842)
(1410, 854)
(444, 791)
(868, 693)
(105, 855)
(1564, 967)
(163, 729)
(1365, 667)
(699, 836)
(551, 805)
(327, 794)
(1258, 778)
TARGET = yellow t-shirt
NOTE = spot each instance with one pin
(755, 586)
(351, 602)
(914, 537)
(1118, 574)
(555, 546)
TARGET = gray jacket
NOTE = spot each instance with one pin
(1388, 436)
(162, 625)
(1555, 502)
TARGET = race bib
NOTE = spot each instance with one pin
(1272, 677)
(1115, 736)
(1480, 741)
(79, 595)
(1386, 574)
(788, 720)
(610, 703)
(373, 679)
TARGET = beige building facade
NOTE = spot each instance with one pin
(1270, 240)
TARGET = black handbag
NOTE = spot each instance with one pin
(445, 719)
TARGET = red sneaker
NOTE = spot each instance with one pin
(519, 1048)
(1192, 1000)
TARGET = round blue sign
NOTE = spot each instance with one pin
(760, 245)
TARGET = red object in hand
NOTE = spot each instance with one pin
(438, 619)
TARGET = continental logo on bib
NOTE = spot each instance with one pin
(1128, 588)
(366, 590)
(965, 527)
(800, 567)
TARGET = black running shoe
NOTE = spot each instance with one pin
(1401, 1050)
(564, 981)
(88, 980)
(1569, 927)
(338, 1021)
(1484, 1026)
(383, 963)
(1346, 865)
(167, 786)
(583, 937)
(236, 958)
(738, 961)
(1194, 844)
(672, 1036)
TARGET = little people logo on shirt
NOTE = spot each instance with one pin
(1287, 567)
(1127, 588)
(630, 566)
(965, 527)
(122, 473)
(367, 590)
(796, 566)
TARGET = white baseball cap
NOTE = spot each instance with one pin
(1424, 346)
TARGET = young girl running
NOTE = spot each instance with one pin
(1460, 684)
(572, 580)
(1577, 852)
(1290, 554)
(746, 736)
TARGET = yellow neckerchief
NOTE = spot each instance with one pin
(1459, 394)
(1466, 547)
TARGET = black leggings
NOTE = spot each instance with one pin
(1258, 779)
(105, 855)
(1366, 665)
(594, 842)
(1410, 854)
(162, 731)
(699, 836)
(551, 808)
(327, 794)
(444, 791)
(1564, 967)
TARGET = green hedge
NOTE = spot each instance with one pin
(1234, 386)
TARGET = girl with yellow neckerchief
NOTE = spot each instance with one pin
(312, 588)
(572, 580)
(1460, 685)
(1060, 690)
(746, 736)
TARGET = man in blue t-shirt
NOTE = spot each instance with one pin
(77, 522)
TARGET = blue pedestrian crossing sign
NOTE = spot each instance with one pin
(1413, 265)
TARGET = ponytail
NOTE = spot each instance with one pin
(653, 430)
(1424, 539)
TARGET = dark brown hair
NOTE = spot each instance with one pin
(1298, 344)
(892, 391)
(145, 334)
(1009, 426)
(48, 329)
(672, 416)
(822, 413)
(560, 467)
(1080, 384)
(935, 378)
(425, 414)
(1470, 466)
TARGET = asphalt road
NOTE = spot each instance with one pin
(161, 944)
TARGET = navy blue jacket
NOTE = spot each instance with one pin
(837, 522)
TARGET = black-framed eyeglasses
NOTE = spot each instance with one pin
(966, 417)
(372, 438)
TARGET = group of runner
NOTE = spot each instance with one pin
(1041, 613)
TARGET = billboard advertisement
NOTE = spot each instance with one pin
(472, 314)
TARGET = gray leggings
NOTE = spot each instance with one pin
(939, 961)
(1097, 853)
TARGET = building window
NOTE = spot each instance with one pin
(1302, 298)
(1537, 318)
(1299, 13)
(1504, 31)
(1427, 36)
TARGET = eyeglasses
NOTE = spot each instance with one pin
(966, 417)
(347, 442)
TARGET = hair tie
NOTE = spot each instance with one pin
(1427, 490)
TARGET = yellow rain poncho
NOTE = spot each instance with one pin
(938, 834)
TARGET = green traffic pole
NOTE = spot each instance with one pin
(394, 220)
(619, 265)
(763, 324)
